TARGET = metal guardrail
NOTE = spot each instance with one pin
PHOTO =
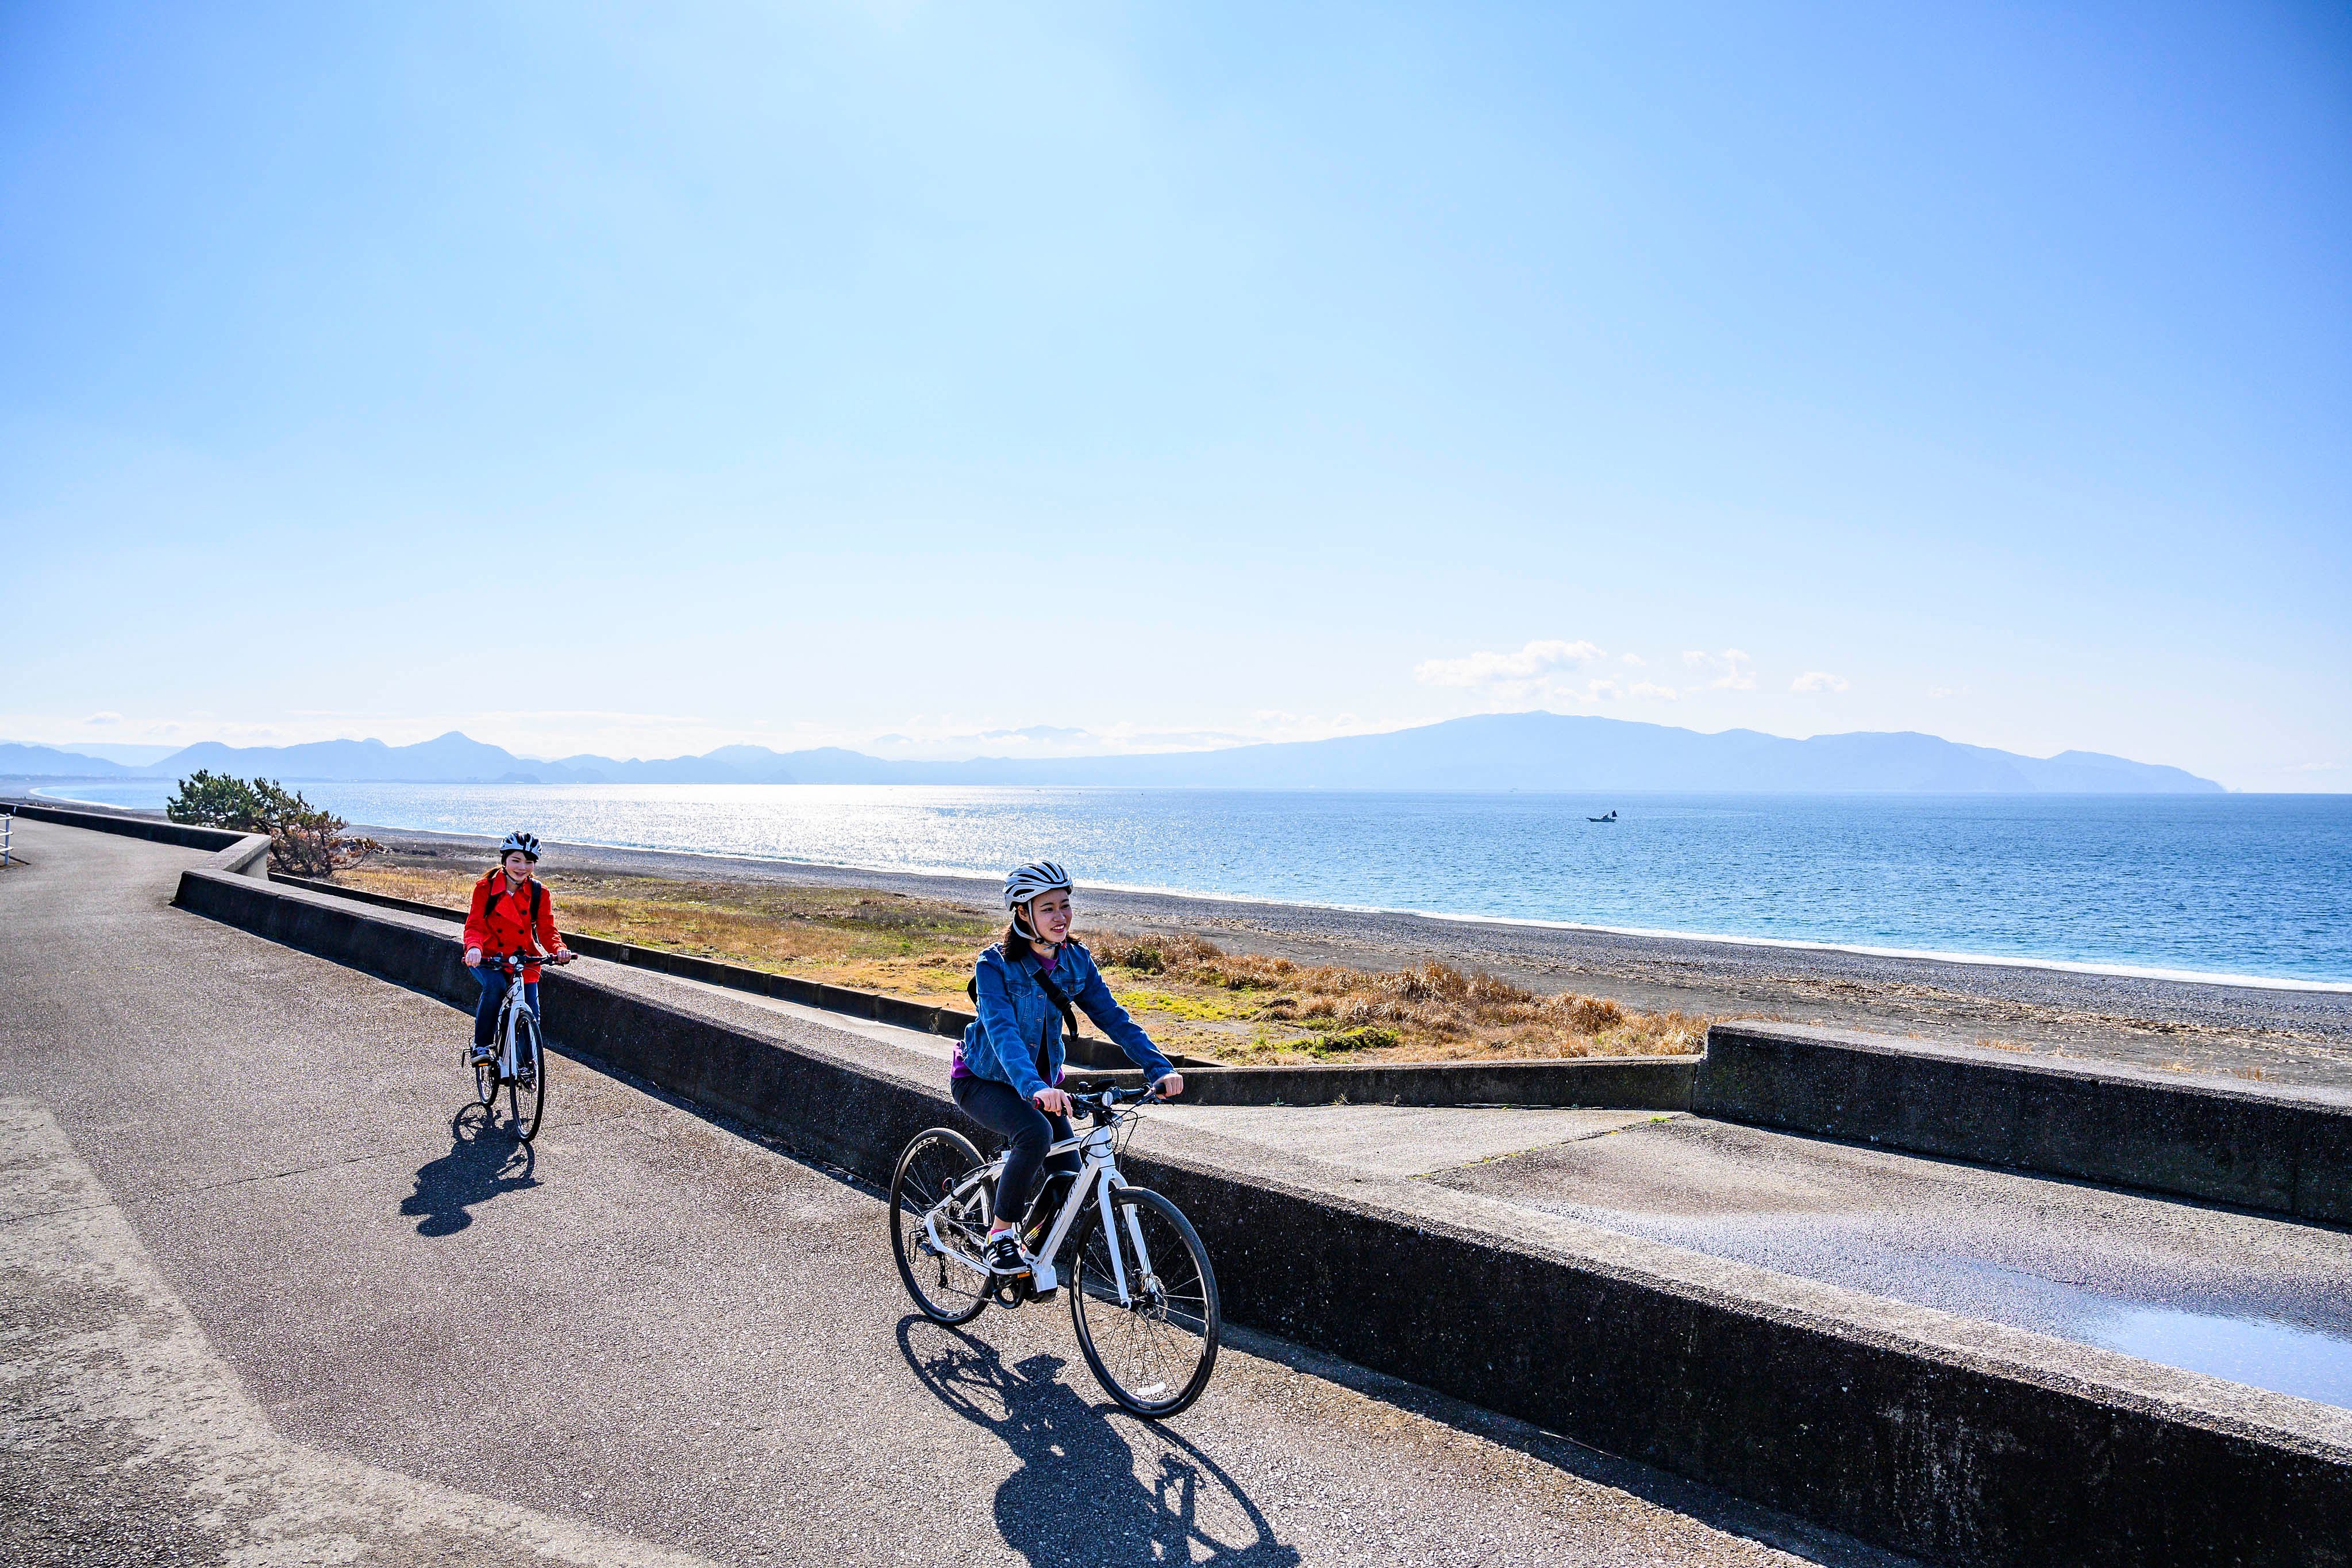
(7, 832)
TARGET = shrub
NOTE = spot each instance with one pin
(209, 802)
(304, 839)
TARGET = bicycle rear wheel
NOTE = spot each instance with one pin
(526, 1090)
(944, 1282)
(1153, 1355)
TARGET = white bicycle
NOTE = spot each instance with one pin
(519, 1065)
(1143, 1298)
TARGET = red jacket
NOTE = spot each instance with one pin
(500, 921)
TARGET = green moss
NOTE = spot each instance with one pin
(1192, 1009)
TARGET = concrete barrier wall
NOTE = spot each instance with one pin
(1955, 1456)
(1644, 1083)
(2287, 1152)
(136, 827)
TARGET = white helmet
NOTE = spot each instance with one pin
(519, 840)
(1025, 882)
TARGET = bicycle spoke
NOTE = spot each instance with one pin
(943, 1284)
(1153, 1355)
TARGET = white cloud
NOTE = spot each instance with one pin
(1634, 659)
(1537, 664)
(1732, 673)
(103, 718)
(1650, 689)
(1819, 680)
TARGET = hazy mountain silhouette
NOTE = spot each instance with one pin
(48, 762)
(1527, 751)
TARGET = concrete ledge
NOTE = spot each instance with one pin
(1630, 1083)
(2288, 1153)
(1955, 1440)
(161, 833)
(1633, 1082)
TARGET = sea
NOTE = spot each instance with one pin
(2238, 887)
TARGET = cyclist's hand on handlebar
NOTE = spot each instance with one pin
(473, 958)
(1171, 1086)
(564, 955)
(1051, 1100)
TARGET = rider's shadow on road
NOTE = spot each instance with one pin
(1085, 1493)
(482, 1163)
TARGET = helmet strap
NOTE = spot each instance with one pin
(1021, 924)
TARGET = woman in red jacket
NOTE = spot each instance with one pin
(512, 913)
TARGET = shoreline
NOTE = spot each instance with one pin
(2286, 1035)
(2119, 970)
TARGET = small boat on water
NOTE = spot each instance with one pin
(1610, 818)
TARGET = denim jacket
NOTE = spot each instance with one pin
(1016, 1017)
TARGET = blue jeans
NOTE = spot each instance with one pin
(493, 981)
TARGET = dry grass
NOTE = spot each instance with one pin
(850, 936)
(1191, 996)
(1426, 1013)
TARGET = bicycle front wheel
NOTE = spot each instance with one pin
(526, 1090)
(1154, 1352)
(936, 1235)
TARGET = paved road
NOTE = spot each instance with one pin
(264, 1294)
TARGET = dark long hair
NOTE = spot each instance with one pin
(1016, 946)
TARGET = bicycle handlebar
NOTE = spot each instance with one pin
(1109, 1100)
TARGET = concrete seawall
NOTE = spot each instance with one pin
(1662, 1083)
(148, 828)
(1950, 1438)
(2285, 1153)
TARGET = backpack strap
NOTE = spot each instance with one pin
(1053, 993)
(538, 899)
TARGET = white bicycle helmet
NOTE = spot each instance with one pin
(519, 840)
(1025, 882)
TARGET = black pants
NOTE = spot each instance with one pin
(1026, 1129)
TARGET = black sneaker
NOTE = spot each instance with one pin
(1005, 1257)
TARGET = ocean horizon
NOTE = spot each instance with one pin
(2228, 888)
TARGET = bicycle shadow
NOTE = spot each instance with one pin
(482, 1163)
(1078, 1498)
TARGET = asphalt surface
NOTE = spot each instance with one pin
(268, 1296)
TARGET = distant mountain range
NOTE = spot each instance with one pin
(1527, 751)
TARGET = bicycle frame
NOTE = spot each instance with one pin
(512, 1003)
(1097, 1175)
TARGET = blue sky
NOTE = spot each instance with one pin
(906, 375)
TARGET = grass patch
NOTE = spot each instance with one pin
(1191, 996)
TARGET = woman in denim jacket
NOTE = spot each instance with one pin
(1008, 1070)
